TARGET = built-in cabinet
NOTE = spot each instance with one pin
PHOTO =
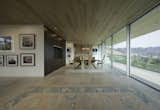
(54, 52)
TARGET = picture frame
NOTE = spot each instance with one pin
(6, 43)
(12, 60)
(27, 59)
(27, 41)
(1, 60)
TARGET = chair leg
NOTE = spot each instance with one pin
(94, 65)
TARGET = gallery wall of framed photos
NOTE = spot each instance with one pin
(26, 42)
(22, 50)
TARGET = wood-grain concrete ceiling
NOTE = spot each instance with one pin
(80, 21)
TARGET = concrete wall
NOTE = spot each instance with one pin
(29, 71)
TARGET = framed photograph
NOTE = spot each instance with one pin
(6, 43)
(27, 59)
(12, 60)
(1, 60)
(27, 41)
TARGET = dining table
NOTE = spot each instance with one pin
(83, 62)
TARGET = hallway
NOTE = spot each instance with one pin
(69, 89)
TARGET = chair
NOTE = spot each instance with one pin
(100, 62)
(77, 60)
(93, 60)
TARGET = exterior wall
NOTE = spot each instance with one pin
(23, 71)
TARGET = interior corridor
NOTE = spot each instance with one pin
(80, 55)
(74, 89)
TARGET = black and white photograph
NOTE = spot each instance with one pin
(12, 60)
(27, 59)
(1, 60)
(6, 43)
(27, 41)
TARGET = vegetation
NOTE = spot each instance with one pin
(147, 63)
(120, 59)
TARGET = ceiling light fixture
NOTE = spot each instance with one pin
(86, 49)
(59, 38)
(54, 35)
(55, 28)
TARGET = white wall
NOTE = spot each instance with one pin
(70, 59)
(30, 71)
(98, 54)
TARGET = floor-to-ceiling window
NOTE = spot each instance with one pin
(144, 43)
(108, 56)
(103, 51)
(145, 48)
(119, 56)
(99, 52)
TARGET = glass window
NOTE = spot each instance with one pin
(119, 56)
(108, 51)
(145, 48)
(103, 52)
(99, 51)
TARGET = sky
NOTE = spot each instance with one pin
(148, 40)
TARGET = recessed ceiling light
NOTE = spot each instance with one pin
(86, 49)
(53, 35)
(59, 38)
(55, 28)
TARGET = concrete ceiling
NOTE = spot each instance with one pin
(81, 21)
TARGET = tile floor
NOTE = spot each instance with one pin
(69, 89)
